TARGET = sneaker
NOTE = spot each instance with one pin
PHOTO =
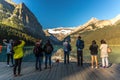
(92, 67)
(8, 65)
(96, 67)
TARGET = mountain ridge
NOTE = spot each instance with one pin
(19, 17)
(94, 24)
(91, 25)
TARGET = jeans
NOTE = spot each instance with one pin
(47, 57)
(80, 57)
(39, 60)
(8, 58)
(66, 57)
(17, 64)
(105, 61)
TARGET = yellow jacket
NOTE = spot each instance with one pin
(18, 50)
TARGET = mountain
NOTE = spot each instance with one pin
(91, 21)
(94, 24)
(114, 20)
(92, 29)
(18, 17)
(60, 33)
(52, 38)
(98, 29)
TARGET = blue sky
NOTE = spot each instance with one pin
(71, 13)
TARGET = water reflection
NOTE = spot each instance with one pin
(28, 53)
(114, 57)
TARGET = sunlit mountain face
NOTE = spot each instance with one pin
(92, 25)
(19, 22)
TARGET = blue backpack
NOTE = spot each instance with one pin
(80, 44)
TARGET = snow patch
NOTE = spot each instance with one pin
(61, 30)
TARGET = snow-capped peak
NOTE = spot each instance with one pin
(60, 30)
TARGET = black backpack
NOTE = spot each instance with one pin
(49, 49)
(69, 47)
(36, 50)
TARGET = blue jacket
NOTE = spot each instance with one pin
(80, 44)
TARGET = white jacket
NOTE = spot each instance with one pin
(103, 49)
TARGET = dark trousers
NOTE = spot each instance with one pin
(80, 57)
(47, 57)
(9, 56)
(66, 57)
(38, 62)
(17, 65)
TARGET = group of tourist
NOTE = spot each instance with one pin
(39, 51)
(15, 51)
(103, 53)
(93, 51)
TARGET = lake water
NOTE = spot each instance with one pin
(28, 53)
(114, 57)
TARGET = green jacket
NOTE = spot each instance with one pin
(18, 50)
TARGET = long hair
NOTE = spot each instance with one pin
(103, 42)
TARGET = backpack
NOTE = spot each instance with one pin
(49, 49)
(80, 44)
(35, 50)
(65, 48)
(69, 47)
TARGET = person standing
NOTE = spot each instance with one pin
(48, 48)
(80, 46)
(94, 52)
(9, 53)
(38, 51)
(67, 49)
(104, 53)
(18, 55)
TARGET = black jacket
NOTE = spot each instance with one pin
(38, 50)
(45, 48)
(93, 49)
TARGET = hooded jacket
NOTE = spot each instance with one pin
(18, 50)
